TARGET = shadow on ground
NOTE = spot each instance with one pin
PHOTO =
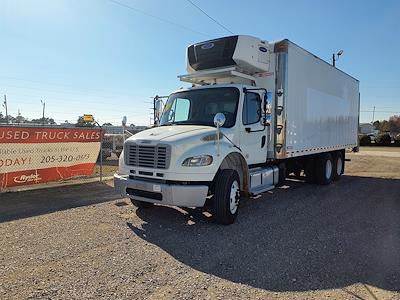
(300, 237)
(17, 205)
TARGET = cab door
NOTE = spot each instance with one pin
(253, 135)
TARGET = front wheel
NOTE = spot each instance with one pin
(226, 197)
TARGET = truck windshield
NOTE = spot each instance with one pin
(198, 107)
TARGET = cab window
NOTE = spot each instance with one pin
(251, 108)
(181, 109)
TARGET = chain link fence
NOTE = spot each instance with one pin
(111, 149)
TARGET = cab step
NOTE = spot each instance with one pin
(263, 179)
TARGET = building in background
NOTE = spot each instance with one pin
(368, 129)
(110, 129)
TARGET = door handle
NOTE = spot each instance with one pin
(263, 141)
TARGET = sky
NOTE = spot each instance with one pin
(103, 58)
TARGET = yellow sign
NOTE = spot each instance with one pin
(88, 118)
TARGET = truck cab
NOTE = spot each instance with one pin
(176, 163)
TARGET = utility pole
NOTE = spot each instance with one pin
(154, 109)
(44, 106)
(373, 115)
(5, 105)
(335, 57)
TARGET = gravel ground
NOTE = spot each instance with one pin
(298, 242)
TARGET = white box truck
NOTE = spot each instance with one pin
(256, 112)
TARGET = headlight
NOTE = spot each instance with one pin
(198, 161)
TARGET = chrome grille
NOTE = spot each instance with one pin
(147, 156)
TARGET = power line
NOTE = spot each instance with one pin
(6, 107)
(74, 99)
(158, 18)
(392, 108)
(381, 111)
(63, 92)
(211, 18)
(74, 88)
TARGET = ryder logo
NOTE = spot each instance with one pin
(27, 178)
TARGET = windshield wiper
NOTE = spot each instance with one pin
(188, 123)
(193, 123)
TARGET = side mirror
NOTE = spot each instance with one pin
(159, 106)
(219, 120)
(266, 120)
(267, 104)
(268, 108)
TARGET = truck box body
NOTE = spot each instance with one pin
(316, 105)
(320, 104)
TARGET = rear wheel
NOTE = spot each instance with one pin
(141, 204)
(324, 169)
(338, 166)
(226, 197)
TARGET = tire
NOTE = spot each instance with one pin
(141, 204)
(324, 169)
(338, 166)
(226, 197)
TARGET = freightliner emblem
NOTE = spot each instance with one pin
(207, 46)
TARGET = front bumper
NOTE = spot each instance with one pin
(168, 194)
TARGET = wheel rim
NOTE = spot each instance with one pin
(339, 166)
(328, 169)
(234, 197)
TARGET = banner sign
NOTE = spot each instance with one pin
(32, 155)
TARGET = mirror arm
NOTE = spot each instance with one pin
(218, 139)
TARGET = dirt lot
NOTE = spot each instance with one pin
(297, 242)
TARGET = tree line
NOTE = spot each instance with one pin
(391, 126)
(22, 120)
(46, 121)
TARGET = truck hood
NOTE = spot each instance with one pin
(172, 133)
